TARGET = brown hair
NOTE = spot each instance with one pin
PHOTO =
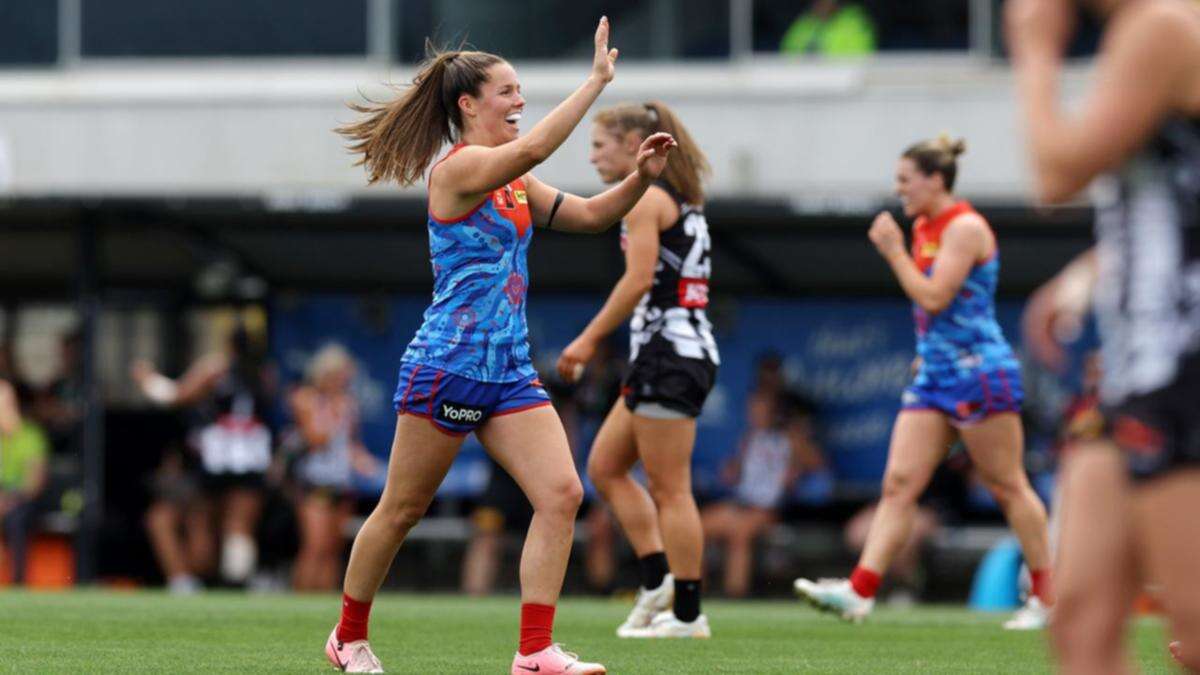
(939, 155)
(687, 167)
(399, 138)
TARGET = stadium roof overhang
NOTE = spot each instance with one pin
(216, 248)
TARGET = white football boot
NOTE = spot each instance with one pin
(835, 596)
(650, 603)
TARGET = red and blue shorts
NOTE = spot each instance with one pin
(967, 400)
(458, 405)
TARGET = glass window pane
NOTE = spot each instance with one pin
(555, 30)
(175, 28)
(28, 32)
(854, 27)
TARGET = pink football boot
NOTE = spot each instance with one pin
(554, 661)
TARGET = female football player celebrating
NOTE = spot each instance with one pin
(673, 364)
(967, 381)
(1129, 513)
(468, 369)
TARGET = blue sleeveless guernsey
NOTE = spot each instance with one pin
(968, 371)
(474, 332)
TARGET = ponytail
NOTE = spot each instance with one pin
(398, 139)
(687, 167)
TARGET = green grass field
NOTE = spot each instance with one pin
(98, 631)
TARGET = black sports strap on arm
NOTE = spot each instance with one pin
(558, 200)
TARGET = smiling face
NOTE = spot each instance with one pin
(919, 193)
(493, 117)
(613, 154)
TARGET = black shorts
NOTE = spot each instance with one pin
(1160, 431)
(661, 376)
(216, 484)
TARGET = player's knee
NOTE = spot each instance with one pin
(600, 472)
(402, 517)
(562, 499)
(1005, 492)
(667, 492)
(900, 486)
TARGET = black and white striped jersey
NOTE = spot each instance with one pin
(672, 313)
(1148, 248)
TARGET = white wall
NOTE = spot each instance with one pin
(818, 135)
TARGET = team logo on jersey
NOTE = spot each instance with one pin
(521, 197)
(929, 249)
(458, 413)
(693, 293)
(515, 288)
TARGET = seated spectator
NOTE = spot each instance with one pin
(23, 451)
(330, 452)
(831, 28)
(503, 509)
(776, 450)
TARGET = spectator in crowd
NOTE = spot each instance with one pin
(329, 452)
(503, 509)
(23, 451)
(776, 449)
(227, 394)
(177, 523)
(831, 28)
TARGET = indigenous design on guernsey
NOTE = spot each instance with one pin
(1148, 300)
(475, 327)
(967, 369)
(672, 313)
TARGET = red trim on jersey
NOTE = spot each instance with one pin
(437, 379)
(927, 233)
(407, 390)
(511, 411)
(451, 221)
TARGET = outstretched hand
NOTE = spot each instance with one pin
(653, 153)
(604, 61)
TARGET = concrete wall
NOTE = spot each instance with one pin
(825, 137)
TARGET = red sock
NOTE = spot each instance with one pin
(865, 582)
(537, 623)
(353, 625)
(1041, 586)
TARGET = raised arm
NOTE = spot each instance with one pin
(651, 215)
(558, 210)
(477, 170)
(963, 244)
(1143, 73)
(194, 384)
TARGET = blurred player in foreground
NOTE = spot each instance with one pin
(1130, 498)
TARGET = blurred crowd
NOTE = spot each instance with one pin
(265, 484)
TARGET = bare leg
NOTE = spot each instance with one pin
(162, 524)
(482, 559)
(920, 440)
(739, 560)
(1095, 570)
(239, 548)
(421, 456)
(997, 446)
(614, 453)
(601, 558)
(1168, 536)
(314, 520)
(334, 544)
(533, 448)
(198, 529)
(665, 447)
